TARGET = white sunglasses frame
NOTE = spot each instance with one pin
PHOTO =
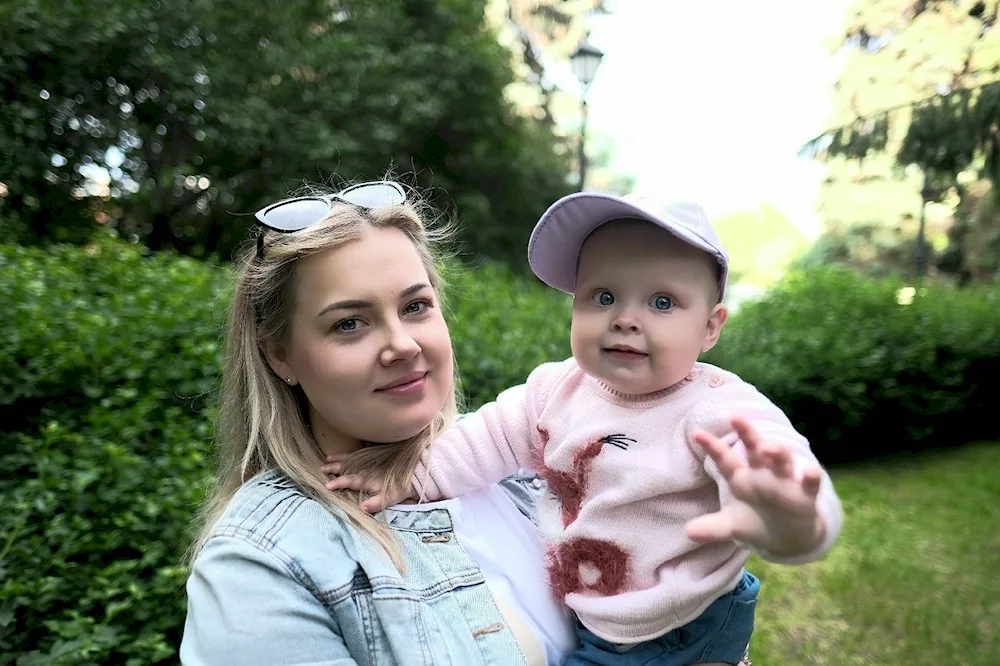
(342, 196)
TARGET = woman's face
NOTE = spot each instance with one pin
(368, 342)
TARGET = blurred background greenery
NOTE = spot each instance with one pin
(136, 135)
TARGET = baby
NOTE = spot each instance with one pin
(663, 473)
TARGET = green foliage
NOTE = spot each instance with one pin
(110, 359)
(761, 243)
(913, 115)
(199, 108)
(918, 82)
(928, 517)
(863, 375)
(503, 325)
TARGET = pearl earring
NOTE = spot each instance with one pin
(288, 380)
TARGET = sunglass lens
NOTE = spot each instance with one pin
(295, 215)
(374, 195)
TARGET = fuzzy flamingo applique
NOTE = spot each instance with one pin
(582, 564)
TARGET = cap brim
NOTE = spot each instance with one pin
(555, 243)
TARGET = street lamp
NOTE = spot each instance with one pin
(585, 62)
(921, 254)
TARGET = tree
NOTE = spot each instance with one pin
(541, 33)
(761, 244)
(915, 121)
(201, 108)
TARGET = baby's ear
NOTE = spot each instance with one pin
(713, 328)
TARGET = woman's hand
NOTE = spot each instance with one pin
(773, 508)
(378, 498)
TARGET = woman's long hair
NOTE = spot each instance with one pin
(263, 422)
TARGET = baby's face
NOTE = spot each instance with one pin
(644, 307)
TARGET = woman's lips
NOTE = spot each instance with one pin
(406, 385)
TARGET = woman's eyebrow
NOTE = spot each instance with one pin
(358, 304)
(351, 304)
(412, 289)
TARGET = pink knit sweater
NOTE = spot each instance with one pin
(624, 476)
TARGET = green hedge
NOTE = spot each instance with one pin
(863, 370)
(109, 363)
(502, 326)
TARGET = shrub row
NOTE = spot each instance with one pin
(869, 367)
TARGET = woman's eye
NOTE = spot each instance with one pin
(347, 325)
(604, 298)
(662, 303)
(417, 307)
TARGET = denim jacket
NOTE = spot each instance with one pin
(282, 581)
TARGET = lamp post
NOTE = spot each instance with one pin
(585, 62)
(921, 253)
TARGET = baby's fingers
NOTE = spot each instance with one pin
(725, 458)
(778, 458)
(376, 500)
(715, 527)
(334, 463)
(811, 480)
(375, 503)
(331, 468)
(353, 482)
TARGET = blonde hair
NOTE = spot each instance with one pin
(263, 422)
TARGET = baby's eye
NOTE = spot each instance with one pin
(604, 297)
(662, 303)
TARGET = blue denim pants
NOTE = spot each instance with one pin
(720, 634)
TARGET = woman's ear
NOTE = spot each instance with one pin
(713, 329)
(277, 358)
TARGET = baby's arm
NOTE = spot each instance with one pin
(774, 494)
(479, 450)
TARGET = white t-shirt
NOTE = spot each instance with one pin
(505, 545)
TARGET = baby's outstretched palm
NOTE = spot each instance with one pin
(773, 506)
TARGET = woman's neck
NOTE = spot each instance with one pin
(330, 440)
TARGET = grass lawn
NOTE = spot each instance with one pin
(914, 579)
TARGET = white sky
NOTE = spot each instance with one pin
(713, 99)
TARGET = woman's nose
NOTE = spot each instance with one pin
(401, 346)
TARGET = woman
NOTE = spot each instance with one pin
(337, 344)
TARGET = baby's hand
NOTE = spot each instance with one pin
(773, 508)
(378, 498)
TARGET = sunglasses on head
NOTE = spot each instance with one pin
(301, 213)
